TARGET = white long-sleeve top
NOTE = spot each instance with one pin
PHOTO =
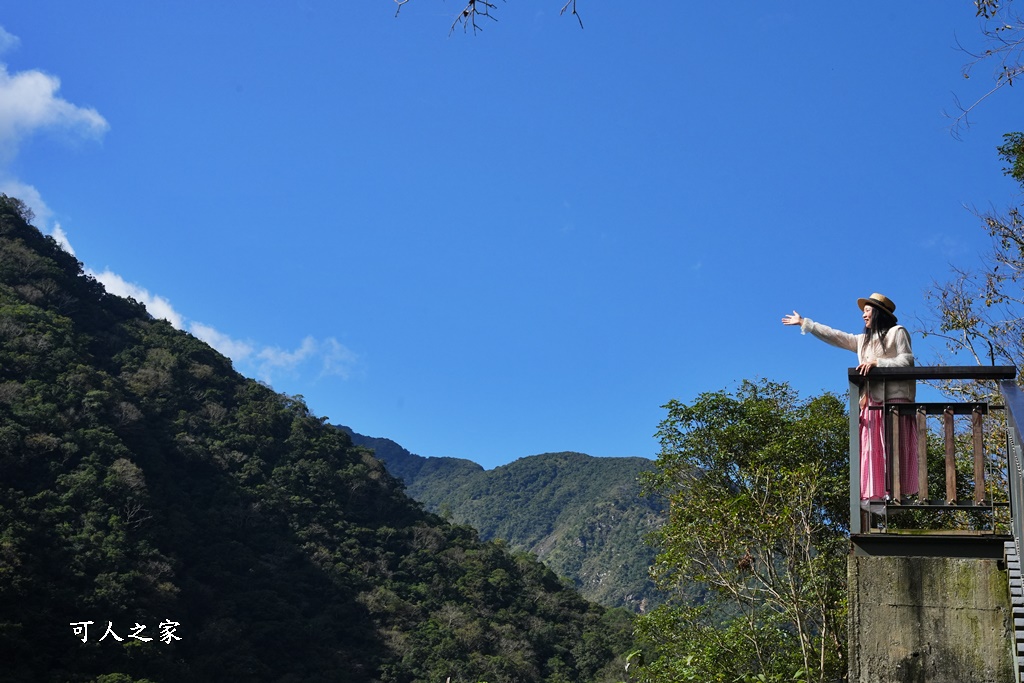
(891, 352)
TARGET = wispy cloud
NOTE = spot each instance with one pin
(322, 358)
(232, 348)
(313, 357)
(62, 239)
(338, 360)
(30, 195)
(158, 306)
(8, 42)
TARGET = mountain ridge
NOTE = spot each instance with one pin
(144, 481)
(582, 515)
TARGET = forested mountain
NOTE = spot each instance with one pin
(583, 516)
(147, 490)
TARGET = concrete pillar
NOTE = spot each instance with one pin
(929, 620)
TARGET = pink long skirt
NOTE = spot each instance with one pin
(872, 453)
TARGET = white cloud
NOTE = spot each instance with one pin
(272, 359)
(268, 363)
(232, 348)
(319, 358)
(323, 358)
(29, 195)
(29, 102)
(62, 239)
(8, 42)
(338, 359)
(158, 306)
(43, 214)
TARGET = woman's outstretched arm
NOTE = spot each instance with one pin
(843, 340)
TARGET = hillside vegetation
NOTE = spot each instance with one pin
(583, 516)
(144, 482)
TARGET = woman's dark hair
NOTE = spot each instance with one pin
(881, 322)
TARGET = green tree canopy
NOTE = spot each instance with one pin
(756, 482)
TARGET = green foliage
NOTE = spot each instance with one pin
(142, 479)
(583, 516)
(756, 483)
(1012, 152)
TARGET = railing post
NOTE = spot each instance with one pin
(947, 419)
(855, 511)
(922, 454)
(894, 453)
(979, 457)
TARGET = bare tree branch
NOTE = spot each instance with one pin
(1003, 33)
(572, 3)
(400, 4)
(482, 8)
(469, 14)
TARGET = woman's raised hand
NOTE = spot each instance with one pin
(794, 319)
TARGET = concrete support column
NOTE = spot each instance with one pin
(929, 620)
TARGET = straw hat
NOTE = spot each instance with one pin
(879, 301)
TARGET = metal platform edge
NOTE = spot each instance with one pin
(938, 545)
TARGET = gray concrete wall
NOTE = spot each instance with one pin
(929, 620)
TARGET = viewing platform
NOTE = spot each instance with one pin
(962, 508)
(934, 579)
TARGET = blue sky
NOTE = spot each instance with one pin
(512, 243)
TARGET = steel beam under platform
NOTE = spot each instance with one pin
(929, 545)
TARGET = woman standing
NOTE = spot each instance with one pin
(884, 344)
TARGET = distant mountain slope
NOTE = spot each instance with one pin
(418, 473)
(583, 516)
(143, 482)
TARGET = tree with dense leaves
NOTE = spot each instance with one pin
(756, 482)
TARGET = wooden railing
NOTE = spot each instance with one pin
(982, 498)
(948, 411)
